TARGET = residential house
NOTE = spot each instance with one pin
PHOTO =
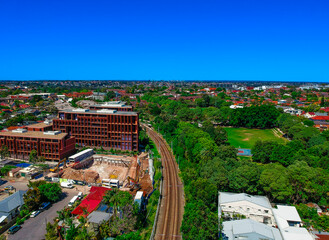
(9, 207)
(248, 229)
(236, 206)
(290, 224)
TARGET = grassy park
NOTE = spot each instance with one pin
(246, 138)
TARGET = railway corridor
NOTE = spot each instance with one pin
(172, 203)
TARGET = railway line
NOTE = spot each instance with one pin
(172, 203)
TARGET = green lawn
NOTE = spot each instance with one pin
(246, 138)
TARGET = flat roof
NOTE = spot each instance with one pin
(112, 105)
(39, 125)
(97, 112)
(33, 134)
(228, 197)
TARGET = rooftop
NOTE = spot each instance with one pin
(13, 201)
(34, 134)
(102, 111)
(39, 125)
(228, 197)
(236, 229)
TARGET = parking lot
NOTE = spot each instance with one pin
(35, 228)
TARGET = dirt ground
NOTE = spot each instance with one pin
(107, 171)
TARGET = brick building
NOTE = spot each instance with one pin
(52, 145)
(115, 105)
(96, 128)
(40, 127)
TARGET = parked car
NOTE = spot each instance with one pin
(66, 185)
(44, 206)
(9, 187)
(14, 229)
(2, 181)
(34, 214)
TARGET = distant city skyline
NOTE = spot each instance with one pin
(170, 40)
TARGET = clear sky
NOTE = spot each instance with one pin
(284, 40)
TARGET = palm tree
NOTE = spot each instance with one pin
(111, 200)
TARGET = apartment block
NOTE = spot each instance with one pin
(100, 128)
(52, 145)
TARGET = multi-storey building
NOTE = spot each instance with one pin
(115, 105)
(100, 128)
(52, 145)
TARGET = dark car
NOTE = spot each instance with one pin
(2, 181)
(14, 229)
(44, 206)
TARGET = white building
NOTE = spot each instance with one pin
(289, 223)
(248, 229)
(236, 206)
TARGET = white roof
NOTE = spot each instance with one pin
(139, 195)
(234, 229)
(282, 215)
(294, 233)
(2, 218)
(288, 213)
(81, 153)
(228, 197)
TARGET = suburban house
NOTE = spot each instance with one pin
(248, 229)
(235, 206)
(290, 224)
(9, 207)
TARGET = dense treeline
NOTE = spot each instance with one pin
(292, 173)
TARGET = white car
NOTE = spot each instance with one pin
(34, 214)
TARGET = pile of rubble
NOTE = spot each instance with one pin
(89, 176)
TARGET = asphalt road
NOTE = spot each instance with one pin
(35, 228)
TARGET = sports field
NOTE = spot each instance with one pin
(246, 138)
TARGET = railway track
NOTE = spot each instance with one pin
(171, 208)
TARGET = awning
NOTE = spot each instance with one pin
(2, 218)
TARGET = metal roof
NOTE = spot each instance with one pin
(98, 217)
(234, 229)
(13, 201)
(228, 197)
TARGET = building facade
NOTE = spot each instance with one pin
(235, 206)
(100, 128)
(52, 145)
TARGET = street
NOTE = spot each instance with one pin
(35, 228)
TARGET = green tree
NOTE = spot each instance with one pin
(51, 231)
(275, 182)
(51, 191)
(199, 222)
(32, 199)
(33, 156)
(4, 152)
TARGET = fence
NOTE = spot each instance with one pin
(157, 212)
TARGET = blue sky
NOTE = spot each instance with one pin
(165, 40)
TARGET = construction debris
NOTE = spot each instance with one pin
(89, 176)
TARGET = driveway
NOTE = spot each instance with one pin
(35, 228)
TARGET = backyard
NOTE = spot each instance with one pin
(246, 138)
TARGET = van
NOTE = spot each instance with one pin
(80, 195)
(72, 201)
(66, 185)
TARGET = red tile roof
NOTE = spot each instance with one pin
(91, 202)
(323, 118)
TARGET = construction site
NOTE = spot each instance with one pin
(129, 173)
